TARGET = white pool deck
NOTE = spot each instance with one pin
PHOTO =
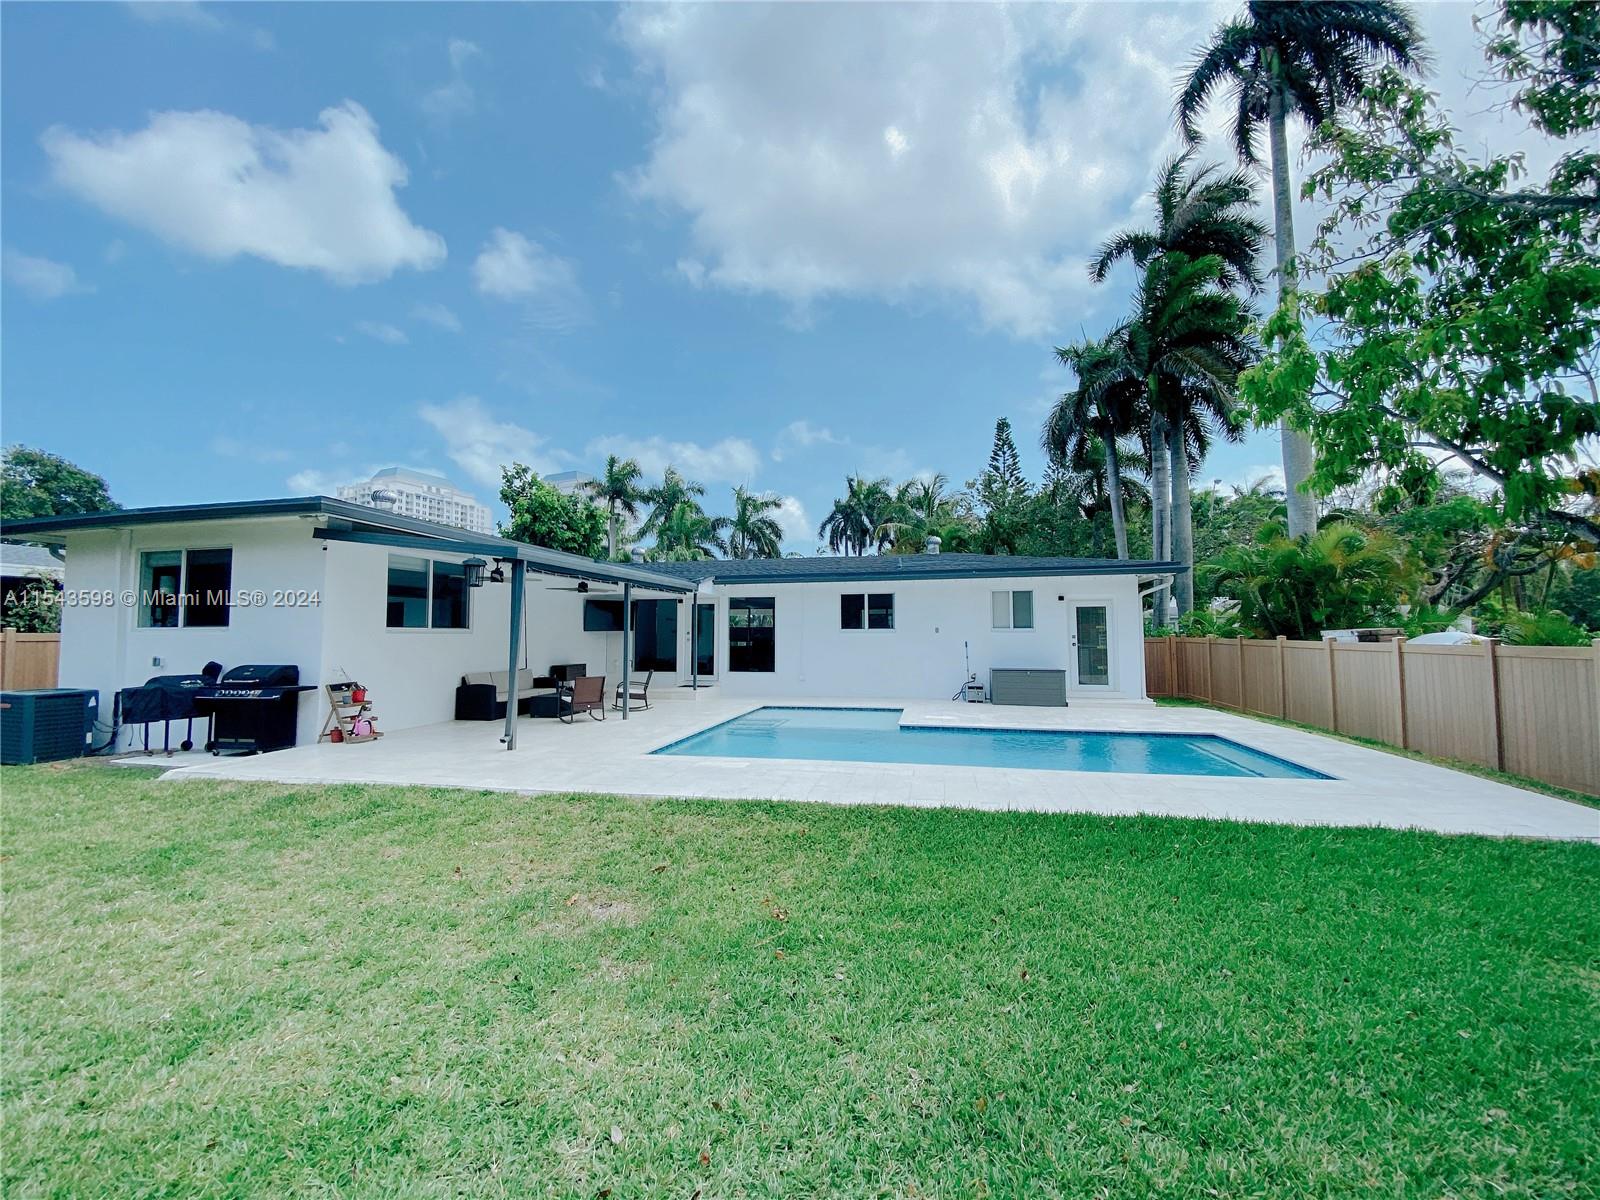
(614, 757)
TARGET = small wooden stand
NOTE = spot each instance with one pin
(342, 714)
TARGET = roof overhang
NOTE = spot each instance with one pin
(340, 520)
(959, 571)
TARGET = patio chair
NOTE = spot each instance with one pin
(638, 693)
(585, 694)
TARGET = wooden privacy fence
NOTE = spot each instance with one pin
(1530, 710)
(28, 660)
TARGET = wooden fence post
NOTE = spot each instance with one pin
(1399, 645)
(1173, 686)
(1492, 661)
(1333, 686)
(1238, 653)
(1283, 679)
(1211, 670)
(1595, 646)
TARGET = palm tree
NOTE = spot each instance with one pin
(673, 492)
(753, 532)
(688, 533)
(1294, 58)
(864, 516)
(1102, 410)
(926, 507)
(1199, 214)
(1185, 346)
(619, 491)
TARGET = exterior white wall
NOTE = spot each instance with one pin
(103, 647)
(922, 656)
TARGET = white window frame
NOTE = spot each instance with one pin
(1011, 595)
(142, 606)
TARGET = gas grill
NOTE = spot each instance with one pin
(165, 698)
(254, 708)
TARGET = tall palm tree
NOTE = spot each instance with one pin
(1105, 407)
(753, 532)
(1198, 213)
(1294, 58)
(926, 507)
(619, 491)
(672, 493)
(864, 516)
(1185, 346)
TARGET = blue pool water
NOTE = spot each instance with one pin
(875, 735)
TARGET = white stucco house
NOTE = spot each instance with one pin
(345, 591)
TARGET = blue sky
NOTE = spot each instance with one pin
(259, 250)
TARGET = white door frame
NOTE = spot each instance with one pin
(1074, 603)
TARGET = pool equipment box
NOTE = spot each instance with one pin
(1036, 687)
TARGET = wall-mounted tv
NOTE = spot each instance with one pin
(602, 616)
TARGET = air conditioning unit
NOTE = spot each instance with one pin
(47, 725)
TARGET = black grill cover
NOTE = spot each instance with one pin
(163, 698)
(261, 675)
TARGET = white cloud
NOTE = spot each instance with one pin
(799, 531)
(903, 151)
(177, 12)
(515, 268)
(455, 98)
(803, 435)
(731, 460)
(481, 444)
(41, 278)
(311, 482)
(383, 332)
(316, 199)
(437, 315)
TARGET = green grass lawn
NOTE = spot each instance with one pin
(263, 990)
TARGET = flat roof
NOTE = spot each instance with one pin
(889, 568)
(347, 521)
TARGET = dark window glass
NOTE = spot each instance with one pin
(205, 591)
(1022, 610)
(880, 610)
(752, 629)
(449, 596)
(655, 635)
(408, 592)
(160, 579)
(852, 611)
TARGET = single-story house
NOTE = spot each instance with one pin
(348, 592)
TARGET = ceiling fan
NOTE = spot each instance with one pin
(583, 585)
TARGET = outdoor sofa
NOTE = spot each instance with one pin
(483, 695)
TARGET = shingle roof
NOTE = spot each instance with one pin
(16, 559)
(866, 568)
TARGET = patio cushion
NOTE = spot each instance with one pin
(525, 684)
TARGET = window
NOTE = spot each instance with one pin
(1012, 610)
(655, 635)
(184, 587)
(873, 610)
(426, 595)
(449, 596)
(752, 628)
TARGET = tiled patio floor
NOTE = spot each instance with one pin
(1369, 788)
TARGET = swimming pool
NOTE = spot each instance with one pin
(876, 735)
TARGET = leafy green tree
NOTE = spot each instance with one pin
(753, 532)
(543, 516)
(619, 490)
(34, 483)
(687, 533)
(31, 606)
(1341, 576)
(1459, 325)
(1283, 59)
(866, 516)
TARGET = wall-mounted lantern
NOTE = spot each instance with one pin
(474, 569)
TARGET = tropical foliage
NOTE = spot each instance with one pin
(34, 483)
(543, 516)
(753, 532)
(864, 518)
(620, 491)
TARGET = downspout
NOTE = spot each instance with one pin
(627, 645)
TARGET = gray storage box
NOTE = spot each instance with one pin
(1039, 688)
